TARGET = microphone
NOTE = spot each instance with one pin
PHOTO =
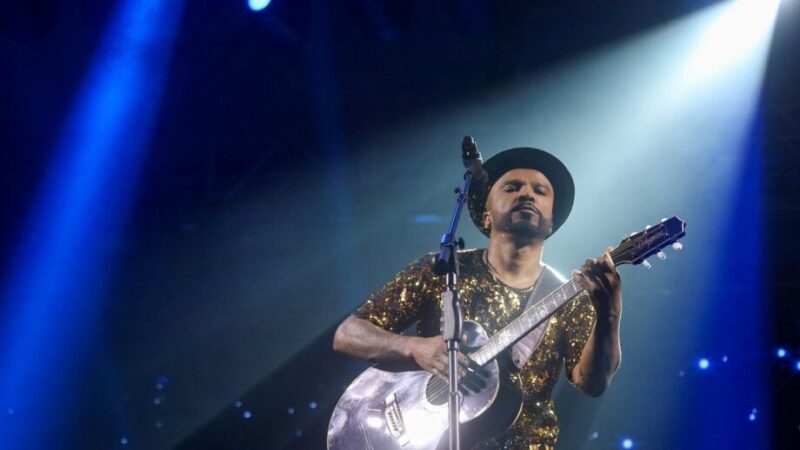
(473, 162)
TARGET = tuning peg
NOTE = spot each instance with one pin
(661, 255)
(677, 246)
(646, 264)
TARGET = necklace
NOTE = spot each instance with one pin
(493, 273)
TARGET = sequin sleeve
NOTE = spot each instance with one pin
(400, 302)
(577, 321)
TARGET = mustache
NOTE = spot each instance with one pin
(526, 205)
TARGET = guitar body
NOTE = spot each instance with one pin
(386, 410)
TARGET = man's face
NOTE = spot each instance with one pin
(521, 203)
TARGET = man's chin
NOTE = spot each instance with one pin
(527, 230)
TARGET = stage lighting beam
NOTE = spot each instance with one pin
(258, 5)
(53, 289)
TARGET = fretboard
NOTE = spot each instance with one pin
(632, 250)
(528, 320)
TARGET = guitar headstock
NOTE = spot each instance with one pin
(638, 246)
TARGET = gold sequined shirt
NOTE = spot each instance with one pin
(413, 297)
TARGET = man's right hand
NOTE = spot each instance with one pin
(361, 339)
(430, 354)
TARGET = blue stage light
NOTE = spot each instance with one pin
(258, 5)
(797, 366)
(627, 443)
(53, 289)
(781, 352)
(703, 364)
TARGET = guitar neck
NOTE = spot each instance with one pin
(528, 320)
(632, 250)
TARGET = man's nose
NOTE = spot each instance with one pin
(526, 192)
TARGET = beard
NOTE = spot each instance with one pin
(525, 228)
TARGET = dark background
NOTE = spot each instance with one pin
(243, 245)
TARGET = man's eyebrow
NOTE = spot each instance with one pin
(518, 181)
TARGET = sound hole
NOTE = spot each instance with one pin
(436, 391)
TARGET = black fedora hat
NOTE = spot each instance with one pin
(525, 158)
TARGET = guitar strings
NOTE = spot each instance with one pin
(445, 386)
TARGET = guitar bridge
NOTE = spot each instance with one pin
(394, 420)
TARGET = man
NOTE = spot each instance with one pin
(528, 197)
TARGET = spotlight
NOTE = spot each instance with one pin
(781, 352)
(739, 29)
(258, 5)
(703, 364)
(627, 443)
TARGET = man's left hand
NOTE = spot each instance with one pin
(600, 278)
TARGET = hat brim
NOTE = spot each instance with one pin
(525, 158)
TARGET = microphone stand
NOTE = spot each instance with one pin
(447, 264)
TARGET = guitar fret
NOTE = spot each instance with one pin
(479, 356)
(529, 319)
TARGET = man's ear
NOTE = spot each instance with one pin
(549, 230)
(487, 220)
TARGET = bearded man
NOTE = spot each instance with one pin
(529, 196)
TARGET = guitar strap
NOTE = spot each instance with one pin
(548, 281)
